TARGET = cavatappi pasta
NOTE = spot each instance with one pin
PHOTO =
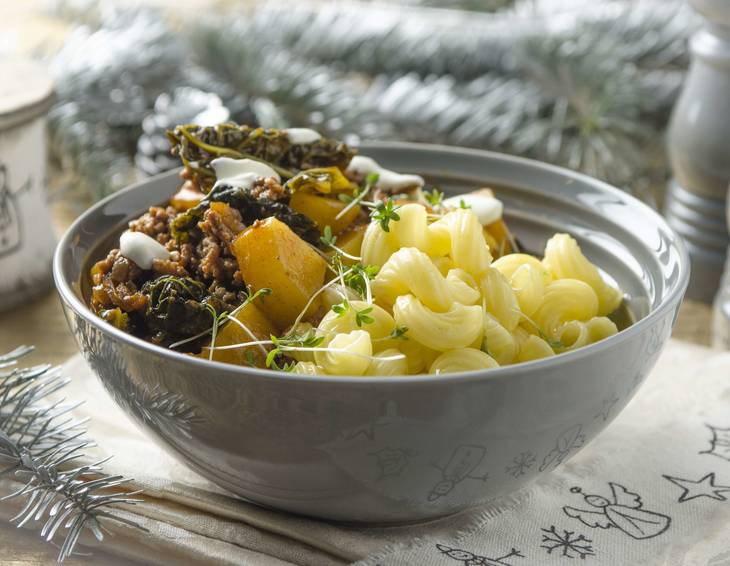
(344, 269)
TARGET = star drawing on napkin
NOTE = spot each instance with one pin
(704, 487)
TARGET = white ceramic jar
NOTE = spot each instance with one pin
(26, 230)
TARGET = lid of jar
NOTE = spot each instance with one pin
(26, 91)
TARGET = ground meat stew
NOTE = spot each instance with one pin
(261, 240)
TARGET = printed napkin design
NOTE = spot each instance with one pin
(652, 489)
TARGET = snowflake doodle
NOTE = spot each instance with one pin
(520, 464)
(569, 544)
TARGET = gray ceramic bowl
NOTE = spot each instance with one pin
(392, 449)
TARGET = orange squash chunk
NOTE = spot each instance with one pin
(231, 333)
(323, 211)
(271, 256)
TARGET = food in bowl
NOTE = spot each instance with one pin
(287, 250)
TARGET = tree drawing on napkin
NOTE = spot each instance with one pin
(719, 443)
(470, 559)
(623, 512)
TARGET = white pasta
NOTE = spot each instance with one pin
(390, 361)
(528, 284)
(564, 300)
(599, 328)
(458, 327)
(508, 264)
(307, 368)
(346, 354)
(410, 270)
(534, 348)
(377, 245)
(464, 287)
(498, 341)
(572, 335)
(499, 299)
(468, 249)
(418, 356)
(563, 257)
(334, 323)
(463, 359)
(413, 230)
(335, 294)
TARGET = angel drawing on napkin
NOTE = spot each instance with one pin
(624, 513)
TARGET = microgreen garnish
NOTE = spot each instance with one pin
(291, 341)
(362, 316)
(462, 204)
(369, 183)
(341, 308)
(384, 212)
(358, 279)
(434, 197)
(399, 333)
(329, 240)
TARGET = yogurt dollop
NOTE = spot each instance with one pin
(387, 180)
(302, 135)
(486, 208)
(141, 249)
(240, 172)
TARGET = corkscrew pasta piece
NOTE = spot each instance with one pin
(390, 361)
(333, 323)
(534, 348)
(509, 263)
(413, 230)
(572, 335)
(599, 328)
(346, 354)
(458, 327)
(563, 257)
(307, 368)
(564, 300)
(377, 245)
(468, 248)
(462, 359)
(498, 341)
(418, 357)
(410, 270)
(499, 299)
(528, 284)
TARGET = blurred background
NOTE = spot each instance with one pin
(585, 85)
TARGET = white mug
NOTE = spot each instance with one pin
(26, 230)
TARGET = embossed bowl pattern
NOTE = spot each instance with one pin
(394, 449)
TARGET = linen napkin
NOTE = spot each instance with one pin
(652, 489)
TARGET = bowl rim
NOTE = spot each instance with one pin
(69, 297)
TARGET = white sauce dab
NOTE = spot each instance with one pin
(387, 180)
(302, 135)
(141, 249)
(487, 209)
(240, 172)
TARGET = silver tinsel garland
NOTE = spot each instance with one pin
(40, 445)
(585, 87)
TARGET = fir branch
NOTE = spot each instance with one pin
(39, 443)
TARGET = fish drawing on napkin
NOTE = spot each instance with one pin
(624, 513)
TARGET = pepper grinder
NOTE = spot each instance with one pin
(699, 151)
(721, 311)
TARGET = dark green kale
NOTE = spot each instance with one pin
(178, 308)
(252, 208)
(197, 146)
